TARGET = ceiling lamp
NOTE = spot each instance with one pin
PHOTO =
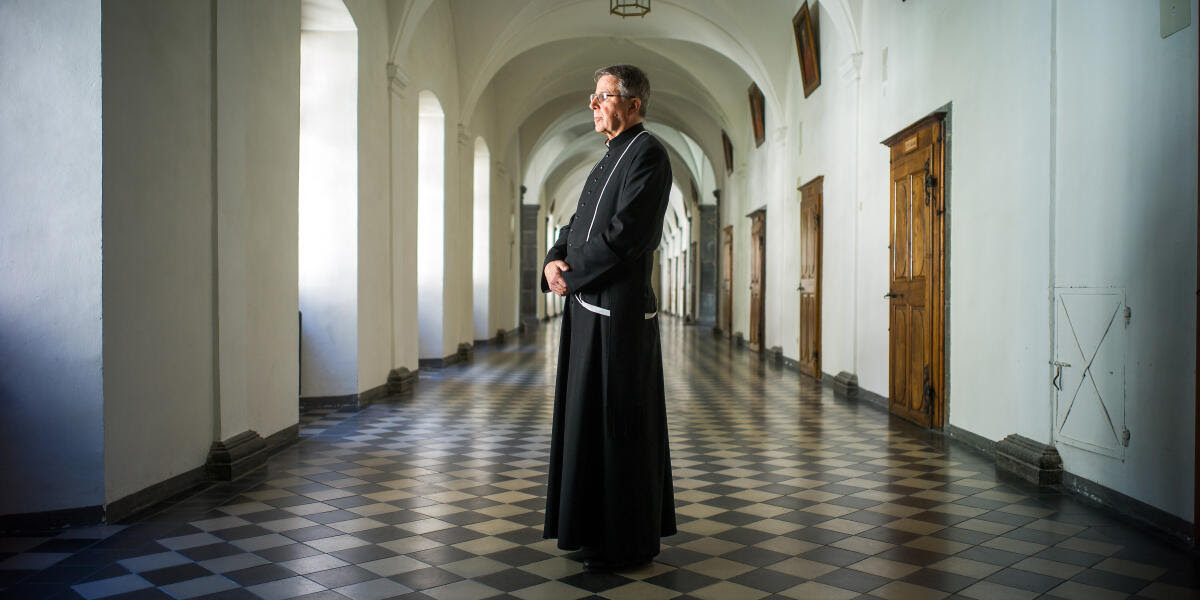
(629, 8)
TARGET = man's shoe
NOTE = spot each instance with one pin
(599, 564)
(582, 554)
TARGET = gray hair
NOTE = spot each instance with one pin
(631, 82)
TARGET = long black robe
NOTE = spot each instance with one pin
(610, 486)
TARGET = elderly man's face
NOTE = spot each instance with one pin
(614, 115)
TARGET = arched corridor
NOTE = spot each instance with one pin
(782, 491)
(294, 247)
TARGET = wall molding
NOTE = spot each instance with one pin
(1176, 530)
(973, 440)
(400, 381)
(373, 395)
(144, 501)
(1173, 529)
(1030, 460)
(307, 402)
(234, 457)
(52, 520)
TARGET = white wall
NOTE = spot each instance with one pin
(481, 238)
(432, 64)
(51, 436)
(258, 99)
(1124, 209)
(375, 352)
(158, 227)
(329, 201)
(431, 219)
(998, 180)
(1101, 144)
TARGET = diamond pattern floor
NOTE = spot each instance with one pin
(781, 492)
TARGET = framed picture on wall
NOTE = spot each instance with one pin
(804, 25)
(728, 147)
(756, 115)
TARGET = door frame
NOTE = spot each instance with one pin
(817, 182)
(759, 334)
(726, 304)
(938, 301)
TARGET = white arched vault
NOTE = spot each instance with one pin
(536, 23)
(558, 168)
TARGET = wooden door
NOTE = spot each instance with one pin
(916, 293)
(758, 276)
(811, 204)
(726, 323)
(694, 281)
(671, 286)
(683, 285)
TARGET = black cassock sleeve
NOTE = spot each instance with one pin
(556, 252)
(636, 224)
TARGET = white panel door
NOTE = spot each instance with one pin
(1089, 369)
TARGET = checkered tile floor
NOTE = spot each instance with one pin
(781, 492)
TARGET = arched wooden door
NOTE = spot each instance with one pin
(811, 205)
(916, 294)
(726, 323)
(758, 277)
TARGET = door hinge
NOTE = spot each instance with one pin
(928, 393)
(1128, 315)
(817, 220)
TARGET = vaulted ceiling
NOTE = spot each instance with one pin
(533, 62)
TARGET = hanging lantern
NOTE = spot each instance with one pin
(629, 8)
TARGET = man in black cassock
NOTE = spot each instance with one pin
(610, 489)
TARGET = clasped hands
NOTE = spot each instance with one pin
(554, 270)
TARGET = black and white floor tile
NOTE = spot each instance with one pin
(781, 491)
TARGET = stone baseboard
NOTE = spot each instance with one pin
(1176, 530)
(328, 401)
(143, 501)
(51, 520)
(372, 395)
(972, 439)
(400, 381)
(232, 458)
(1029, 460)
(845, 384)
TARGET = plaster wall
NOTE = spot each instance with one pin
(1124, 209)
(817, 140)
(503, 218)
(258, 83)
(431, 63)
(376, 356)
(328, 217)
(402, 99)
(996, 196)
(159, 294)
(52, 434)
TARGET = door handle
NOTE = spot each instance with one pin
(891, 295)
(1056, 381)
(800, 289)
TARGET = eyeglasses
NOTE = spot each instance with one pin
(603, 96)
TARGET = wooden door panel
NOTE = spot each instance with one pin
(918, 359)
(919, 231)
(899, 352)
(900, 248)
(809, 287)
(727, 282)
(758, 260)
(916, 354)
